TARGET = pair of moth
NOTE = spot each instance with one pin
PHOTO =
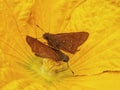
(68, 42)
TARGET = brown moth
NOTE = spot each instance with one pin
(68, 42)
(45, 51)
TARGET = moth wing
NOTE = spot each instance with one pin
(67, 41)
(41, 49)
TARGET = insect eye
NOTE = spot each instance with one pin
(45, 36)
(66, 59)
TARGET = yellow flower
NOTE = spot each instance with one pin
(96, 65)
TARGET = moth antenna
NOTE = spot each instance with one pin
(40, 28)
(36, 36)
(70, 68)
(36, 33)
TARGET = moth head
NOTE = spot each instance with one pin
(65, 58)
(46, 35)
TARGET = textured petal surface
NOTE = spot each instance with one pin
(20, 69)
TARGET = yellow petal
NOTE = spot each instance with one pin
(101, 51)
(20, 69)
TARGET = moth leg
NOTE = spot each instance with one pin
(70, 69)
